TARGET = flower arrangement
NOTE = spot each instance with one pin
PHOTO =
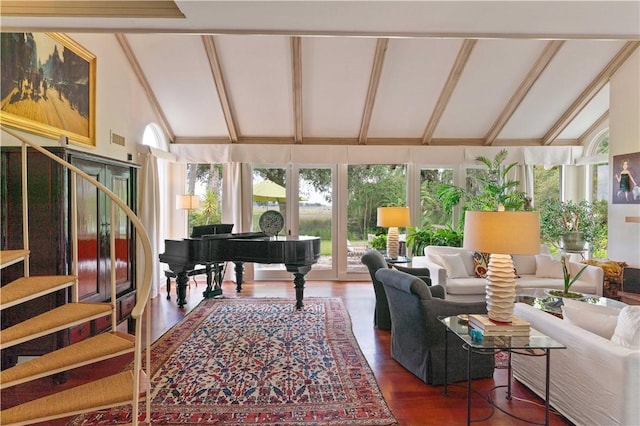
(568, 281)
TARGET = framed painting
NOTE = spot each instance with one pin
(48, 85)
(626, 175)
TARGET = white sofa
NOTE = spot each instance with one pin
(593, 382)
(534, 271)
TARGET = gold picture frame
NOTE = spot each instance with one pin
(48, 86)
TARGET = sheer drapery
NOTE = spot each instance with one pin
(236, 203)
(149, 208)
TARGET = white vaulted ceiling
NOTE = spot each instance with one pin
(358, 72)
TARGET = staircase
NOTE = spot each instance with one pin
(124, 388)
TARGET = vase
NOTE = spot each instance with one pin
(573, 241)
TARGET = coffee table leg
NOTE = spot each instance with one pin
(446, 357)
(546, 389)
(468, 386)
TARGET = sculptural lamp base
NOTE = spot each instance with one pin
(393, 245)
(501, 288)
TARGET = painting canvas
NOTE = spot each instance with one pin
(48, 86)
(626, 175)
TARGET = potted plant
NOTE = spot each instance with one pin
(568, 224)
(429, 235)
(494, 189)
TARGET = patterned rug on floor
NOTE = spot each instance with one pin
(237, 361)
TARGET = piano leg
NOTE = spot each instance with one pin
(298, 280)
(214, 280)
(182, 280)
(239, 273)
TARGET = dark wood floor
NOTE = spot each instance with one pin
(411, 401)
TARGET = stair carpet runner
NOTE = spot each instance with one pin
(107, 392)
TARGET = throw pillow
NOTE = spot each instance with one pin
(454, 265)
(627, 332)
(547, 267)
(596, 319)
(480, 264)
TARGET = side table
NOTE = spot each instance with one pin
(536, 344)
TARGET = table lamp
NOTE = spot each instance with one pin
(392, 218)
(501, 233)
(187, 202)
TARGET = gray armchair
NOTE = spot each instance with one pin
(374, 260)
(418, 337)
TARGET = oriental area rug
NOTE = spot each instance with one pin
(238, 361)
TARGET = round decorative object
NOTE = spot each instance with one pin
(271, 222)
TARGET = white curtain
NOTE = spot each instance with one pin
(236, 204)
(149, 211)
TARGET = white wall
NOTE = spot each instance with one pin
(624, 120)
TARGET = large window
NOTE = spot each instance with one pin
(546, 184)
(432, 212)
(370, 187)
(205, 181)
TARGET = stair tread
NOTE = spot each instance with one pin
(9, 257)
(90, 350)
(27, 288)
(51, 321)
(107, 392)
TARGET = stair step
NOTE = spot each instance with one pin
(28, 288)
(108, 392)
(57, 319)
(9, 257)
(93, 349)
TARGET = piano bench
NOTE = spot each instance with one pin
(170, 274)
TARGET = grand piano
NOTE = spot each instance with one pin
(213, 249)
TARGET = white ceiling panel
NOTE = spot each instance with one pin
(413, 75)
(257, 74)
(569, 73)
(335, 78)
(589, 115)
(492, 75)
(186, 94)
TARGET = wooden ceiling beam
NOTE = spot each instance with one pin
(447, 90)
(296, 71)
(216, 71)
(374, 83)
(532, 76)
(137, 70)
(590, 91)
(92, 9)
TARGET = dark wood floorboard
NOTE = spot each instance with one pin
(413, 402)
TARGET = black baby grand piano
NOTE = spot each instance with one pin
(213, 246)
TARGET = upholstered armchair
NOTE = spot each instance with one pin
(418, 337)
(374, 261)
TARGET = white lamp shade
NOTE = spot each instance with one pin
(503, 232)
(187, 202)
(393, 216)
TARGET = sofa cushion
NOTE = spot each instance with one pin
(480, 264)
(433, 252)
(454, 265)
(627, 332)
(467, 285)
(525, 264)
(547, 267)
(597, 319)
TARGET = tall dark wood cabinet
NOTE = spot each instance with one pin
(50, 236)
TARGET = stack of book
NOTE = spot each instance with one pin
(488, 327)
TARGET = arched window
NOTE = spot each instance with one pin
(154, 137)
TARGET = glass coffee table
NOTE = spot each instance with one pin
(541, 299)
(535, 344)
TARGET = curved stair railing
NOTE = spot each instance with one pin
(141, 380)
